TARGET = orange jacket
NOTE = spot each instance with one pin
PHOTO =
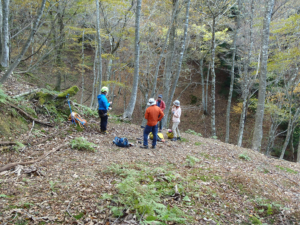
(153, 115)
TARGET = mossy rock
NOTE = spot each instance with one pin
(71, 91)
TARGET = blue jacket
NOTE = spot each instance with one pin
(103, 103)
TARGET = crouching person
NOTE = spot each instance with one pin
(153, 115)
(176, 110)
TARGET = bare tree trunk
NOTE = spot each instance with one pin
(259, 117)
(232, 73)
(289, 131)
(59, 63)
(1, 27)
(33, 32)
(298, 152)
(99, 76)
(5, 34)
(168, 106)
(94, 92)
(213, 80)
(206, 95)
(82, 67)
(170, 54)
(202, 83)
(129, 110)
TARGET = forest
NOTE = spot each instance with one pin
(153, 47)
(232, 64)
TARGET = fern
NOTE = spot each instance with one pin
(81, 143)
(191, 160)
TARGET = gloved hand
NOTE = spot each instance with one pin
(110, 103)
(109, 108)
(173, 112)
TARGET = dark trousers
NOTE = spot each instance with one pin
(147, 131)
(103, 119)
(161, 123)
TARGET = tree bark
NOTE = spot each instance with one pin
(94, 92)
(25, 47)
(206, 91)
(170, 54)
(129, 110)
(202, 83)
(298, 152)
(59, 51)
(5, 34)
(1, 27)
(99, 76)
(213, 80)
(168, 106)
(232, 73)
(82, 72)
(258, 132)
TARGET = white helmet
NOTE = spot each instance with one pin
(104, 89)
(176, 102)
(151, 101)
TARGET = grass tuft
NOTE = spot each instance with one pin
(81, 143)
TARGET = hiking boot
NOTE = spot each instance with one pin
(178, 138)
(174, 139)
(144, 146)
(153, 147)
(104, 132)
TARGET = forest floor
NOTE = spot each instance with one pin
(193, 181)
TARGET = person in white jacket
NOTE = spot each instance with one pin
(176, 110)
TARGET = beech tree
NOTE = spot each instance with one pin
(259, 116)
(5, 34)
(129, 110)
(26, 45)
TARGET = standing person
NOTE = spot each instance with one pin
(176, 110)
(153, 115)
(161, 104)
(103, 108)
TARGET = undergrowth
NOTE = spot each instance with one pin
(189, 131)
(81, 143)
(145, 191)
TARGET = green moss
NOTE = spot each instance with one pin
(71, 91)
(43, 97)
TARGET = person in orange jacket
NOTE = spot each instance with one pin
(153, 115)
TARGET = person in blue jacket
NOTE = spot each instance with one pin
(104, 106)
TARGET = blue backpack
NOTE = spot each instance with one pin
(121, 142)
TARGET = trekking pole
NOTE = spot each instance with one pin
(72, 117)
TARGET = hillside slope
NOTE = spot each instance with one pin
(195, 181)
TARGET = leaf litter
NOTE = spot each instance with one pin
(209, 183)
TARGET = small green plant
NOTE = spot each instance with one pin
(245, 157)
(79, 216)
(3, 196)
(287, 169)
(52, 186)
(191, 160)
(81, 143)
(189, 131)
(198, 143)
(254, 220)
(19, 146)
(214, 137)
(184, 140)
(3, 96)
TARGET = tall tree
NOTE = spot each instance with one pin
(99, 75)
(169, 102)
(259, 116)
(129, 110)
(5, 34)
(232, 77)
(27, 44)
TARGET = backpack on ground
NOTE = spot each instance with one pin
(160, 137)
(121, 142)
(170, 134)
(76, 118)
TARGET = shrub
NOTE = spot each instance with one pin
(81, 143)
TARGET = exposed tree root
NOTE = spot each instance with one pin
(11, 165)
